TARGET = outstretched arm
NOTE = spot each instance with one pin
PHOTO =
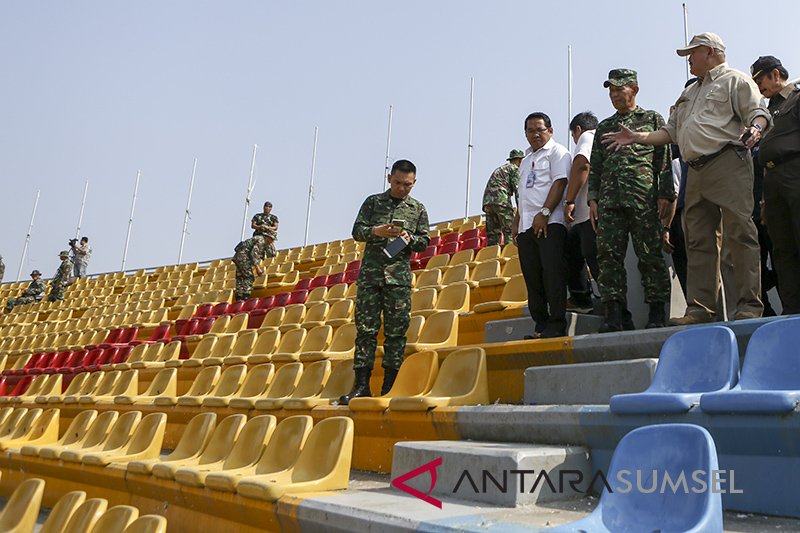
(625, 136)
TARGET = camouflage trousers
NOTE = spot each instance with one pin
(270, 250)
(612, 244)
(395, 303)
(244, 282)
(12, 302)
(56, 293)
(499, 219)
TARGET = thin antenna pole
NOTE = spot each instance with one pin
(569, 93)
(130, 219)
(28, 236)
(187, 213)
(311, 185)
(83, 205)
(686, 38)
(249, 191)
(388, 146)
(469, 143)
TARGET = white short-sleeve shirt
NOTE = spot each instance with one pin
(537, 173)
(584, 148)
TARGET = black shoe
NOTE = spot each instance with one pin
(360, 388)
(627, 320)
(613, 320)
(389, 375)
(657, 317)
(580, 305)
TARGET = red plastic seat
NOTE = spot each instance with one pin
(21, 386)
(469, 234)
(235, 308)
(57, 362)
(203, 311)
(450, 248)
(471, 244)
(450, 237)
(111, 338)
(319, 281)
(219, 309)
(32, 362)
(302, 284)
(126, 336)
(351, 276)
(104, 358)
(89, 360)
(256, 316)
(435, 241)
(266, 303)
(281, 299)
(250, 305)
(297, 297)
(41, 364)
(353, 265)
(159, 333)
(122, 355)
(74, 360)
(335, 279)
(3, 386)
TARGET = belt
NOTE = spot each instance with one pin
(703, 160)
(780, 160)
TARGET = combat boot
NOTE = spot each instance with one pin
(627, 320)
(360, 388)
(613, 318)
(657, 317)
(389, 375)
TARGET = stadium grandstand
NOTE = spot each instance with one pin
(150, 401)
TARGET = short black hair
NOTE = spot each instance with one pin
(586, 120)
(85, 239)
(403, 165)
(267, 204)
(535, 115)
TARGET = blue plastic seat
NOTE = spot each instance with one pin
(770, 382)
(668, 448)
(692, 362)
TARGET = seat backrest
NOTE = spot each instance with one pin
(295, 314)
(414, 328)
(341, 309)
(317, 312)
(488, 269)
(224, 346)
(98, 430)
(274, 317)
(86, 515)
(314, 378)
(285, 380)
(195, 436)
(459, 272)
(121, 432)
(702, 359)
(204, 381)
(329, 448)
(424, 298)
(237, 323)
(439, 327)
(251, 442)
(116, 519)
(461, 257)
(281, 299)
(168, 352)
(92, 382)
(230, 381)
(165, 383)
(221, 441)
(75, 385)
(344, 339)
(24, 424)
(220, 324)
(459, 372)
(674, 449)
(771, 362)
(340, 381)
(148, 435)
(150, 523)
(205, 347)
(454, 297)
(318, 339)
(107, 383)
(245, 342)
(62, 511)
(488, 252)
(284, 446)
(417, 374)
(292, 341)
(79, 427)
(22, 509)
(428, 278)
(515, 290)
(258, 379)
(204, 325)
(267, 341)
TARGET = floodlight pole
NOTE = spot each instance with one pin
(469, 143)
(311, 185)
(28, 236)
(249, 191)
(130, 220)
(83, 205)
(187, 213)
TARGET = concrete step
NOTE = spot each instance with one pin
(495, 473)
(586, 383)
(515, 329)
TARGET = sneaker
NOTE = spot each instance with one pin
(689, 320)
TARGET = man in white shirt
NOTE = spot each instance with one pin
(581, 247)
(539, 229)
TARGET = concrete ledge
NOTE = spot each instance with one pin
(492, 472)
(516, 328)
(587, 383)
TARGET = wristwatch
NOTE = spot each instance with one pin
(545, 212)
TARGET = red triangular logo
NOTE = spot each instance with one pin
(400, 482)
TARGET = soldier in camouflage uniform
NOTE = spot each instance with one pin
(502, 185)
(246, 257)
(60, 281)
(629, 191)
(33, 293)
(384, 284)
(2, 268)
(266, 225)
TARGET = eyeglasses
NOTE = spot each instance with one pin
(536, 130)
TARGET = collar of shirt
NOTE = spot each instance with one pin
(715, 72)
(388, 195)
(547, 146)
(789, 89)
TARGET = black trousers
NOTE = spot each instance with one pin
(678, 241)
(580, 251)
(544, 269)
(782, 198)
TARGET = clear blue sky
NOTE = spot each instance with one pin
(99, 89)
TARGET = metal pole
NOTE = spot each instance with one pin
(388, 146)
(186, 214)
(469, 143)
(28, 236)
(311, 185)
(130, 219)
(249, 191)
(686, 38)
(569, 94)
(83, 204)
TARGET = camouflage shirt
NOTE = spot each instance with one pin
(376, 267)
(250, 252)
(502, 185)
(635, 175)
(262, 219)
(35, 289)
(62, 274)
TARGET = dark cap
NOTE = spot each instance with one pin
(764, 65)
(267, 204)
(63, 253)
(36, 273)
(515, 154)
(621, 76)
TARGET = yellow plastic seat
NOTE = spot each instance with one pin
(440, 330)
(86, 515)
(510, 269)
(236, 325)
(22, 509)
(340, 382)
(165, 383)
(218, 327)
(469, 224)
(315, 316)
(191, 444)
(137, 354)
(454, 274)
(158, 355)
(341, 313)
(323, 464)
(126, 385)
(228, 383)
(265, 345)
(105, 385)
(429, 278)
(318, 339)
(73, 388)
(424, 300)
(488, 269)
(77, 430)
(96, 433)
(35, 430)
(255, 383)
(243, 347)
(34, 389)
(116, 519)
(118, 435)
(342, 346)
(509, 252)
(289, 280)
(415, 378)
(272, 319)
(291, 342)
(438, 262)
(203, 384)
(246, 451)
(514, 295)
(62, 511)
(201, 351)
(284, 382)
(315, 296)
(17, 419)
(462, 380)
(454, 297)
(314, 378)
(294, 316)
(463, 257)
(335, 293)
(150, 523)
(280, 454)
(4, 412)
(486, 253)
(218, 447)
(88, 386)
(144, 443)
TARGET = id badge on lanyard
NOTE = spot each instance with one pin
(530, 180)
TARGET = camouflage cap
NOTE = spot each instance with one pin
(36, 273)
(63, 253)
(515, 154)
(621, 76)
(712, 40)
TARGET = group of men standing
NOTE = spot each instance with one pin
(37, 287)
